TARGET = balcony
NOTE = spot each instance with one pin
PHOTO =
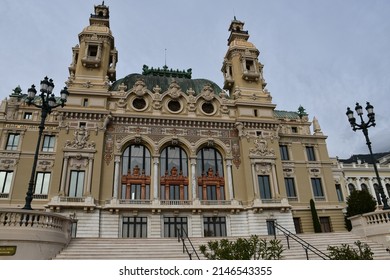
(114, 205)
(57, 202)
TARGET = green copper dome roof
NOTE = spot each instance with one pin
(163, 78)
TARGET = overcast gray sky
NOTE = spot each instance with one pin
(324, 55)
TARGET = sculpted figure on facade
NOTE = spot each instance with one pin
(261, 148)
(80, 140)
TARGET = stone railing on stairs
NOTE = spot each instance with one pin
(32, 235)
(374, 226)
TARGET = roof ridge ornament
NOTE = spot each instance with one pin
(165, 72)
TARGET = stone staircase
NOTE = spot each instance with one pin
(171, 249)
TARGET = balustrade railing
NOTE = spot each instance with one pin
(36, 219)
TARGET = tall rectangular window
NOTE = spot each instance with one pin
(310, 153)
(48, 143)
(339, 192)
(264, 186)
(317, 188)
(12, 141)
(76, 185)
(5, 182)
(271, 226)
(42, 183)
(284, 152)
(290, 187)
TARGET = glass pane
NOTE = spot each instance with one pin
(80, 184)
(5, 180)
(39, 183)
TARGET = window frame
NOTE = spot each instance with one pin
(310, 153)
(284, 152)
(12, 145)
(6, 181)
(290, 188)
(44, 183)
(79, 183)
(317, 188)
(48, 146)
(265, 190)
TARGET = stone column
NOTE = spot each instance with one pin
(194, 184)
(156, 162)
(89, 179)
(116, 176)
(230, 178)
(275, 182)
(255, 189)
(64, 175)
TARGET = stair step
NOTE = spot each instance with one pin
(171, 249)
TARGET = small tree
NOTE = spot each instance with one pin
(314, 215)
(345, 252)
(359, 202)
(253, 248)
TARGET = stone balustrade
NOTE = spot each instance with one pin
(374, 225)
(31, 234)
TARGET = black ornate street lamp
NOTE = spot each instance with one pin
(46, 103)
(363, 126)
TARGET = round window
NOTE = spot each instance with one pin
(208, 107)
(174, 105)
(139, 103)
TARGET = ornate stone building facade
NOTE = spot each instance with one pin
(144, 154)
(357, 173)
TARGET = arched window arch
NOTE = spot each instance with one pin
(377, 194)
(211, 181)
(364, 188)
(173, 174)
(351, 187)
(135, 179)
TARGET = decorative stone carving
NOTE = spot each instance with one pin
(174, 90)
(261, 148)
(139, 88)
(208, 93)
(107, 119)
(80, 140)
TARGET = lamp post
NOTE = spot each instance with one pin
(363, 126)
(46, 102)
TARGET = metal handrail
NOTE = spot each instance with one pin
(306, 246)
(182, 238)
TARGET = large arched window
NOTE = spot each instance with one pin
(135, 173)
(211, 181)
(173, 174)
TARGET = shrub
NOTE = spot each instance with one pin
(314, 215)
(253, 248)
(346, 252)
(359, 202)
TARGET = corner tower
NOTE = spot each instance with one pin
(95, 57)
(243, 73)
